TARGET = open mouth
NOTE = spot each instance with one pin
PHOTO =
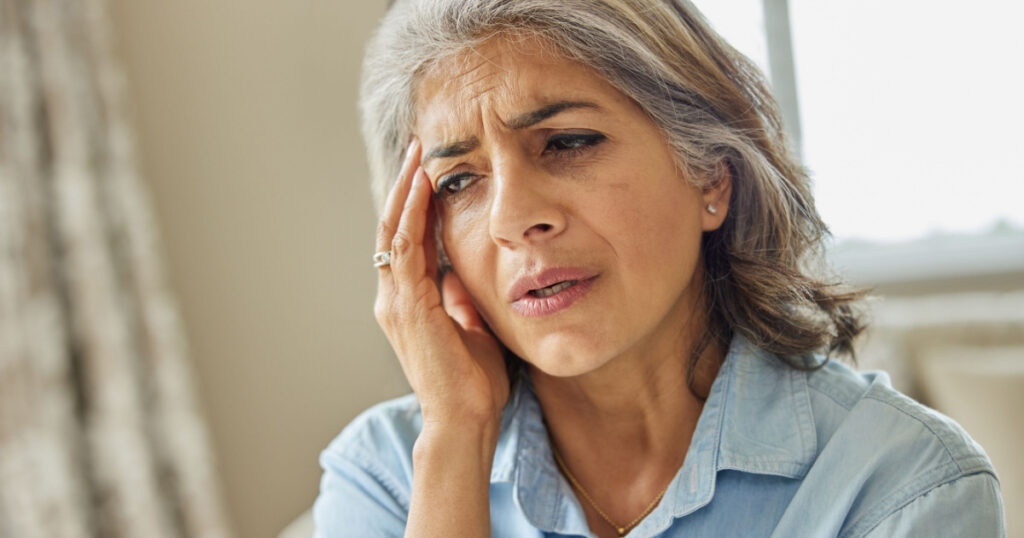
(539, 302)
(550, 290)
(553, 289)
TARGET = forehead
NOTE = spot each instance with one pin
(503, 77)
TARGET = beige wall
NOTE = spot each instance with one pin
(248, 138)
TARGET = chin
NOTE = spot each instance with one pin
(564, 358)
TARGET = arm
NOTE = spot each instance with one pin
(451, 487)
(969, 506)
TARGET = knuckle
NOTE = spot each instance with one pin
(401, 244)
(381, 312)
(385, 312)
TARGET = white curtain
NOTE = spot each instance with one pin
(100, 430)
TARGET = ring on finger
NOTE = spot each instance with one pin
(382, 258)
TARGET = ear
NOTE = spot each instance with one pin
(715, 198)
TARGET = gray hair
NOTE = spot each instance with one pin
(716, 112)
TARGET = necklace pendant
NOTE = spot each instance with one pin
(622, 532)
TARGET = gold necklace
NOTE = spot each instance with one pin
(622, 531)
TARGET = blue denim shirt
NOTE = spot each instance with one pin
(777, 452)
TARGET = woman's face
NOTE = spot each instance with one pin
(562, 210)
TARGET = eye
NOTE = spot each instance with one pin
(454, 183)
(573, 142)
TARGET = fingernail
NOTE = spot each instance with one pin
(422, 176)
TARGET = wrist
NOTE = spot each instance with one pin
(465, 418)
(473, 440)
(451, 479)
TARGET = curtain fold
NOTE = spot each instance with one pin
(100, 430)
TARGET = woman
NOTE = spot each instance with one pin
(622, 339)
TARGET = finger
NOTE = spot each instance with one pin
(408, 261)
(458, 304)
(389, 223)
(396, 198)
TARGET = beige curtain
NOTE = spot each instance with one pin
(100, 432)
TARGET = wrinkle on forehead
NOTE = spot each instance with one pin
(474, 73)
(490, 51)
(481, 73)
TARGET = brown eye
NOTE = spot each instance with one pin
(454, 183)
(573, 141)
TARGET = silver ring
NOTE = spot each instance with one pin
(382, 258)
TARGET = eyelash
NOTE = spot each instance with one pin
(573, 145)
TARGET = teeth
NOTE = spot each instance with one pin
(552, 289)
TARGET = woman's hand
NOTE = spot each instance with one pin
(452, 361)
(450, 358)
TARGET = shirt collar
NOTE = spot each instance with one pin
(767, 426)
(757, 419)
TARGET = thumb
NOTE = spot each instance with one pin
(458, 304)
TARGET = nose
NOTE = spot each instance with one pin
(525, 208)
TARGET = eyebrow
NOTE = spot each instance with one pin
(530, 119)
(452, 150)
(522, 121)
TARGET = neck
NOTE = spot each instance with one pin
(623, 430)
(647, 404)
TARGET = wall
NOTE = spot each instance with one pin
(248, 137)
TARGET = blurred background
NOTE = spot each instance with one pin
(245, 134)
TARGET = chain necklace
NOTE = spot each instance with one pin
(623, 530)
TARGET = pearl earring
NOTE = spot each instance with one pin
(712, 209)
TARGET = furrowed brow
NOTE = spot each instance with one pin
(532, 118)
(456, 149)
(521, 121)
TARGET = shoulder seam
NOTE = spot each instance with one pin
(959, 461)
(923, 423)
(885, 509)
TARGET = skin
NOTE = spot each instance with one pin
(594, 186)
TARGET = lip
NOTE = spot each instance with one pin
(530, 306)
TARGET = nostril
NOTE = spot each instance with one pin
(542, 227)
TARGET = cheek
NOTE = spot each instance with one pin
(465, 240)
(462, 233)
(655, 230)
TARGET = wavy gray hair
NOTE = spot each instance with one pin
(713, 106)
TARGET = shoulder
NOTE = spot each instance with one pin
(393, 421)
(383, 435)
(867, 404)
(366, 485)
(378, 444)
(895, 450)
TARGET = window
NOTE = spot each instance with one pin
(912, 112)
